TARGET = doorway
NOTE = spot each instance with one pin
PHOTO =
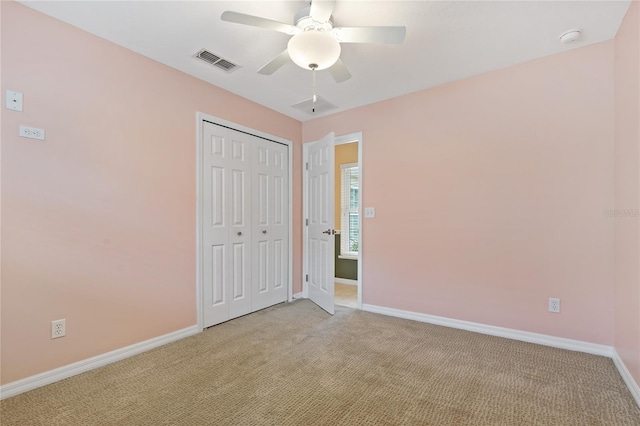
(347, 222)
(339, 244)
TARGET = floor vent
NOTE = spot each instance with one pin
(322, 105)
(215, 60)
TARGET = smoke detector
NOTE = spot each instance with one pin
(570, 36)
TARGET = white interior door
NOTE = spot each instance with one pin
(320, 181)
(226, 224)
(270, 223)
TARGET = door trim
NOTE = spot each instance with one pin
(200, 118)
(339, 140)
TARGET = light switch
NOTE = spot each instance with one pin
(369, 212)
(14, 100)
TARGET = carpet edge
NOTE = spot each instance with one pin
(525, 336)
(60, 373)
(492, 330)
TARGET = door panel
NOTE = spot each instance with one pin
(263, 199)
(215, 236)
(263, 266)
(239, 206)
(239, 281)
(217, 275)
(271, 223)
(278, 200)
(226, 222)
(279, 279)
(279, 229)
(320, 177)
(217, 197)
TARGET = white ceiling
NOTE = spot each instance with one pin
(446, 41)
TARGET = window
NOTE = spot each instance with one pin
(349, 216)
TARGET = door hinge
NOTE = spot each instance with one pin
(307, 222)
(306, 278)
(306, 166)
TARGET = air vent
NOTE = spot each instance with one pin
(322, 105)
(216, 61)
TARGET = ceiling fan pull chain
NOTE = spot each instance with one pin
(313, 74)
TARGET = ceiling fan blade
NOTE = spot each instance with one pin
(256, 21)
(275, 63)
(321, 9)
(339, 71)
(370, 34)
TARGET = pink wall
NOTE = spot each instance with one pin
(98, 221)
(627, 191)
(501, 183)
(505, 181)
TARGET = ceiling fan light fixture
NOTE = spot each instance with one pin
(314, 47)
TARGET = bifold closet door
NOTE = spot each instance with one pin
(226, 223)
(270, 225)
(245, 223)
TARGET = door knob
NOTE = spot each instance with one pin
(239, 233)
(329, 232)
(264, 231)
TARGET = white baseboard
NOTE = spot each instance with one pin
(509, 333)
(525, 336)
(345, 281)
(48, 377)
(298, 296)
(627, 377)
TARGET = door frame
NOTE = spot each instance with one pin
(339, 140)
(200, 119)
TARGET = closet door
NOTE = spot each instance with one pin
(240, 233)
(226, 224)
(270, 225)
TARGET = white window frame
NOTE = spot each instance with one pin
(346, 211)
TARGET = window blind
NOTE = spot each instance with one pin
(349, 208)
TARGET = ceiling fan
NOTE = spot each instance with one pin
(315, 44)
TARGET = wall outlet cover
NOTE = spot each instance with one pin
(31, 132)
(13, 100)
(58, 328)
(554, 305)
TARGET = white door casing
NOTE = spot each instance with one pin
(321, 229)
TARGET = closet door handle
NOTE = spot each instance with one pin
(239, 233)
(264, 231)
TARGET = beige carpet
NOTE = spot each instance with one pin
(295, 365)
(346, 295)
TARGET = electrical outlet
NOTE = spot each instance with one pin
(31, 132)
(58, 328)
(554, 305)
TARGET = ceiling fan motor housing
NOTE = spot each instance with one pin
(303, 20)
